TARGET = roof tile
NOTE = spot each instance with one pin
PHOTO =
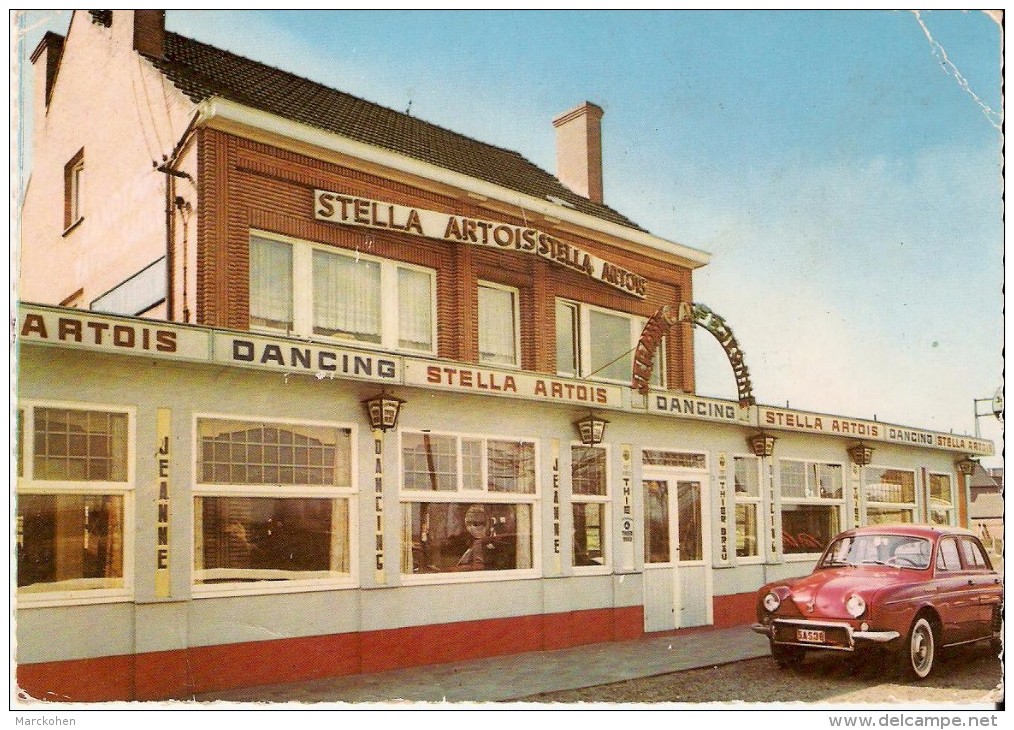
(202, 71)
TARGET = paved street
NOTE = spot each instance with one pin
(967, 675)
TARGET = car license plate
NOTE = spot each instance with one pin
(813, 636)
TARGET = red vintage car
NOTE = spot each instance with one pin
(909, 589)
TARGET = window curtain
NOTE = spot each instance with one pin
(340, 536)
(406, 538)
(270, 283)
(346, 296)
(415, 316)
(524, 537)
(496, 326)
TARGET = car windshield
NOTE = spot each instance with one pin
(902, 551)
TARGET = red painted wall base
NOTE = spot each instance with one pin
(185, 672)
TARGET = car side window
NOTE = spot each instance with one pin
(947, 556)
(972, 554)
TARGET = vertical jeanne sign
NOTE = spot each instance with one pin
(163, 438)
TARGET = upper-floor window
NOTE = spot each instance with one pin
(73, 503)
(343, 295)
(499, 339)
(73, 179)
(598, 343)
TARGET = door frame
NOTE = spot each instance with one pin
(672, 476)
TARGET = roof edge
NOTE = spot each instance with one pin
(219, 108)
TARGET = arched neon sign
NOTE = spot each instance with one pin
(700, 316)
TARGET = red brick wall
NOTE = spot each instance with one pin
(248, 185)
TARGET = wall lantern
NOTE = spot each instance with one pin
(966, 466)
(762, 444)
(861, 454)
(592, 429)
(382, 410)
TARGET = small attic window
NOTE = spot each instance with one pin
(73, 179)
(102, 17)
(560, 201)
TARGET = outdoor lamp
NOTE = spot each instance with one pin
(382, 410)
(967, 465)
(861, 454)
(761, 444)
(592, 429)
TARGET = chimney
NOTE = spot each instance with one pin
(149, 32)
(579, 150)
(46, 59)
(140, 30)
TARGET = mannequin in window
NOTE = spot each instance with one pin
(477, 523)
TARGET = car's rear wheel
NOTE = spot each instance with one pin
(787, 657)
(919, 650)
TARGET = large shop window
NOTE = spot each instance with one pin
(941, 507)
(599, 343)
(890, 495)
(73, 503)
(589, 470)
(748, 501)
(272, 503)
(812, 502)
(499, 342)
(467, 503)
(342, 295)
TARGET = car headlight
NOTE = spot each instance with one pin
(855, 605)
(772, 602)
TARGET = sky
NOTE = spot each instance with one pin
(842, 167)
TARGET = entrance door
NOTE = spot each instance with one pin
(677, 592)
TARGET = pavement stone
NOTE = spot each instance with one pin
(515, 677)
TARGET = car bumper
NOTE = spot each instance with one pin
(832, 635)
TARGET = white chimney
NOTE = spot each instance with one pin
(579, 150)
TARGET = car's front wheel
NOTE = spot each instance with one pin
(787, 657)
(919, 650)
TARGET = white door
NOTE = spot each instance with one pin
(677, 592)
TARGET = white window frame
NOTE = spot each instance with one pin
(607, 520)
(516, 297)
(302, 305)
(757, 502)
(583, 334)
(818, 501)
(574, 312)
(952, 509)
(26, 484)
(350, 493)
(460, 495)
(911, 507)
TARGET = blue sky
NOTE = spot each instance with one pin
(842, 167)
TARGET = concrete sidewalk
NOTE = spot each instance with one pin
(511, 678)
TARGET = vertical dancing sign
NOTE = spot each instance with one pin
(378, 504)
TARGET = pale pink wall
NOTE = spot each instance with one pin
(113, 103)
